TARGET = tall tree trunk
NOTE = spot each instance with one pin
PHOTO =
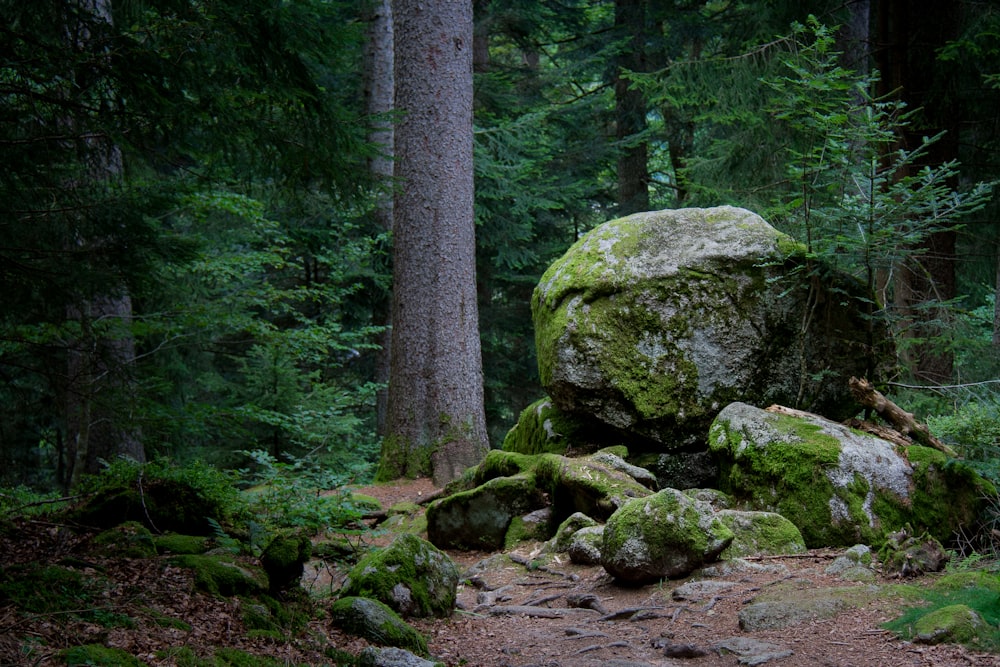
(379, 92)
(437, 424)
(630, 110)
(100, 364)
(909, 33)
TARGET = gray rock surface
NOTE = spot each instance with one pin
(653, 322)
(839, 486)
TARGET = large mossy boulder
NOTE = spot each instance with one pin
(665, 535)
(839, 486)
(653, 322)
(411, 576)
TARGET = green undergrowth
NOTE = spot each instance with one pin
(56, 590)
(978, 590)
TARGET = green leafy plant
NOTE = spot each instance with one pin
(299, 493)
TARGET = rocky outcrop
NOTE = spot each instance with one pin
(410, 575)
(839, 486)
(507, 488)
(665, 535)
(652, 323)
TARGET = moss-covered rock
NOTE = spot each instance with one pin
(910, 555)
(480, 518)
(663, 535)
(586, 485)
(839, 486)
(220, 574)
(564, 534)
(127, 540)
(585, 545)
(163, 504)
(376, 622)
(284, 560)
(542, 429)
(653, 322)
(760, 534)
(509, 485)
(410, 575)
(955, 623)
(175, 543)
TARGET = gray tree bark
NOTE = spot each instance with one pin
(100, 424)
(437, 423)
(379, 93)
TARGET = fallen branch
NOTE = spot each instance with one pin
(904, 422)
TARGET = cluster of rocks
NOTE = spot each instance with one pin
(660, 338)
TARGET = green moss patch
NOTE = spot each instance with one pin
(220, 575)
(377, 623)
(943, 614)
(95, 655)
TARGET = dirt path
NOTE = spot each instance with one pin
(571, 616)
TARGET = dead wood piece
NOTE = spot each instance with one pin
(904, 422)
(879, 431)
(537, 612)
(545, 599)
(628, 612)
(586, 601)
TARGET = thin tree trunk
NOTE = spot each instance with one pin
(379, 92)
(437, 424)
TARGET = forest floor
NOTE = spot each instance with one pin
(529, 618)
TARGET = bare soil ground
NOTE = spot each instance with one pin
(636, 627)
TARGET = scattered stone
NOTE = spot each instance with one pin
(661, 536)
(585, 545)
(684, 651)
(586, 601)
(373, 656)
(774, 615)
(751, 651)
(696, 591)
(853, 565)
(410, 575)
(376, 622)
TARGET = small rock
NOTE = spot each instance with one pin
(684, 651)
(391, 657)
(751, 651)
